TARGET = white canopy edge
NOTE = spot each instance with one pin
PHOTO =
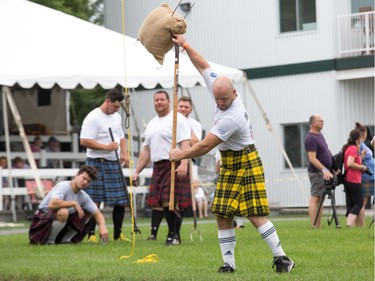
(47, 47)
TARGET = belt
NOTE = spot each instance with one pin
(249, 148)
(101, 160)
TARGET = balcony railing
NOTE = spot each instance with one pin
(356, 34)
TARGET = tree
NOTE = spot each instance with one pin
(90, 10)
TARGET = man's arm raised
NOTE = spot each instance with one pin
(198, 61)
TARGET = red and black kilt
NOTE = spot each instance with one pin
(41, 226)
(160, 186)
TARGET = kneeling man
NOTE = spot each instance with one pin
(63, 215)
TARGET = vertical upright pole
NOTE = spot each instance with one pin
(174, 129)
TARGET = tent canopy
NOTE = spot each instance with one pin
(47, 47)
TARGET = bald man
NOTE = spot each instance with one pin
(240, 189)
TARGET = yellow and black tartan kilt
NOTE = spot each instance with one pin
(240, 188)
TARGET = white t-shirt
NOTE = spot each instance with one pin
(231, 125)
(158, 135)
(96, 126)
(196, 126)
(63, 190)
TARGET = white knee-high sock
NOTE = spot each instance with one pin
(227, 241)
(57, 226)
(269, 235)
(68, 235)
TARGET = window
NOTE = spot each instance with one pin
(297, 15)
(44, 97)
(294, 143)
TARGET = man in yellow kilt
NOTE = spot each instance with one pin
(240, 189)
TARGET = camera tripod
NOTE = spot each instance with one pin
(331, 195)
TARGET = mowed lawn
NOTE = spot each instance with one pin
(319, 254)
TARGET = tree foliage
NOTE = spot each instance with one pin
(90, 10)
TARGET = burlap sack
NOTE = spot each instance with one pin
(155, 32)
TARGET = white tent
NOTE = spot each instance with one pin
(44, 47)
(47, 47)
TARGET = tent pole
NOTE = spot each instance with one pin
(9, 161)
(277, 139)
(26, 145)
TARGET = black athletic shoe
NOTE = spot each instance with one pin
(283, 264)
(168, 242)
(151, 237)
(226, 268)
(172, 240)
(176, 240)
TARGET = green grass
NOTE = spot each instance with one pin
(324, 254)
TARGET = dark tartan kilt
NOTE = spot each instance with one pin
(109, 186)
(240, 188)
(368, 188)
(41, 226)
(160, 186)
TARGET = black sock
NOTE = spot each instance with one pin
(118, 215)
(156, 218)
(92, 225)
(179, 223)
(171, 219)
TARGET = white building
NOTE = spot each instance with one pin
(301, 58)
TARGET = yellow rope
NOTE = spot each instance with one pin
(149, 259)
(152, 258)
(129, 135)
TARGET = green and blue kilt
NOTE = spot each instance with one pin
(160, 186)
(109, 186)
(240, 188)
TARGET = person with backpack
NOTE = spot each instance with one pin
(368, 177)
(353, 178)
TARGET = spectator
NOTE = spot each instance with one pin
(320, 167)
(353, 178)
(19, 163)
(53, 145)
(369, 139)
(4, 165)
(367, 178)
(201, 200)
(36, 145)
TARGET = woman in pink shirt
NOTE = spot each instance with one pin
(353, 178)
